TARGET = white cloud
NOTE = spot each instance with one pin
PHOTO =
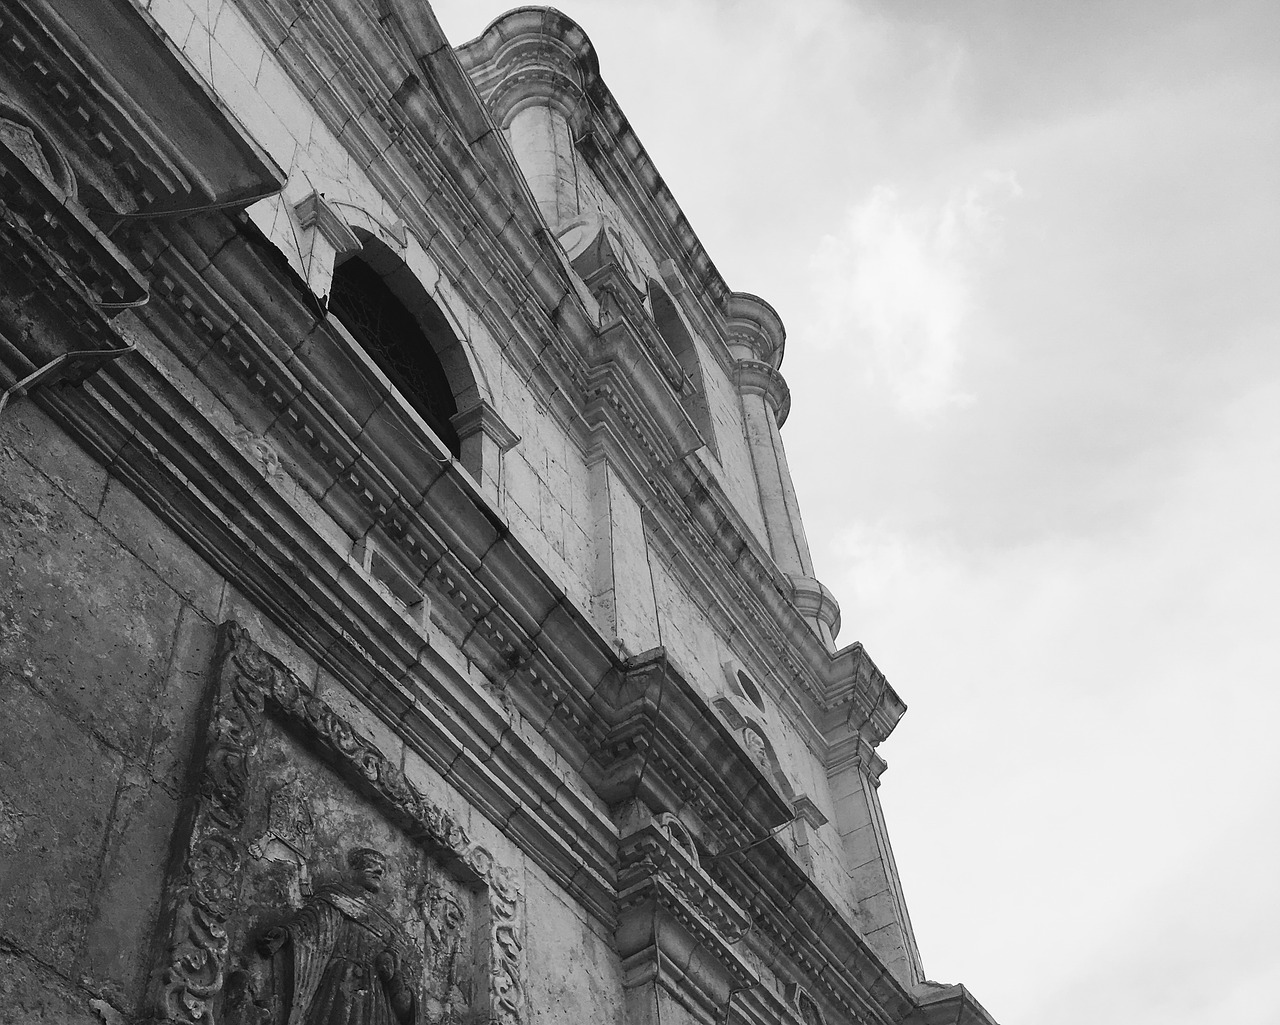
(1104, 707)
(902, 279)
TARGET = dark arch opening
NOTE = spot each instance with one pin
(672, 328)
(399, 342)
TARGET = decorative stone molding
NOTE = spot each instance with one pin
(778, 895)
(485, 439)
(676, 832)
(676, 927)
(861, 699)
(755, 329)
(168, 142)
(852, 751)
(212, 845)
(803, 1006)
(947, 1005)
(808, 818)
(808, 812)
(814, 601)
(756, 743)
(19, 132)
(655, 851)
(325, 237)
(34, 207)
(667, 749)
(755, 377)
(534, 56)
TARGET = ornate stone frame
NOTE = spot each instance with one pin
(210, 847)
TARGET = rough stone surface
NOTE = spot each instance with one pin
(252, 617)
(57, 794)
(31, 993)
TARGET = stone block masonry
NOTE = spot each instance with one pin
(405, 610)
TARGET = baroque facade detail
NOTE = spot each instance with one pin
(203, 895)
(404, 600)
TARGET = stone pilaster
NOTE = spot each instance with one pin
(543, 146)
(854, 771)
(766, 401)
(622, 588)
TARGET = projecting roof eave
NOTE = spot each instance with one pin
(538, 54)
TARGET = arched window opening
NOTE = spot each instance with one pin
(674, 332)
(398, 342)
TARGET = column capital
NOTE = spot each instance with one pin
(755, 377)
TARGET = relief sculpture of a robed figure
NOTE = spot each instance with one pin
(313, 884)
(342, 958)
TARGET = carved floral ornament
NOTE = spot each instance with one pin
(341, 940)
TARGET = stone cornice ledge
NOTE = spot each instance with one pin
(755, 377)
(791, 914)
(941, 1004)
(755, 329)
(191, 149)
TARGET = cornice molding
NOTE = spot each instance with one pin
(669, 910)
(314, 212)
(947, 1005)
(483, 418)
(755, 329)
(755, 377)
(799, 929)
(812, 598)
(128, 94)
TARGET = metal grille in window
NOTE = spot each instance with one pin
(388, 332)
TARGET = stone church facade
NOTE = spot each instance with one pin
(406, 614)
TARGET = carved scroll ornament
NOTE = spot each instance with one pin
(202, 893)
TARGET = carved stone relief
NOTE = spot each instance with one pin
(18, 132)
(312, 883)
(753, 740)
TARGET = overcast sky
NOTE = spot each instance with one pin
(1028, 256)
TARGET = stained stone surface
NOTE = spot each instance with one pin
(253, 617)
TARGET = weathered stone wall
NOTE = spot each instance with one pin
(544, 645)
(106, 632)
(107, 644)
